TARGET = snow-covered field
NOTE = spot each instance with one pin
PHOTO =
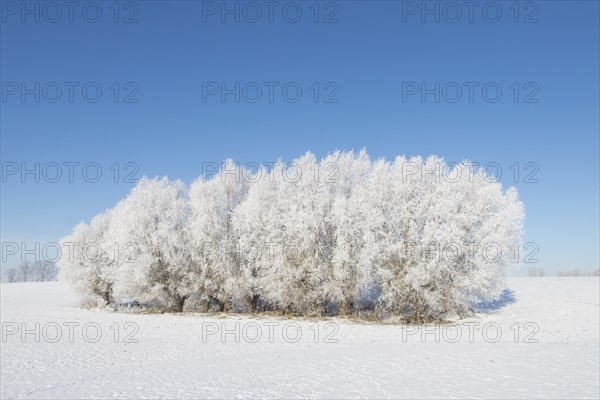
(541, 341)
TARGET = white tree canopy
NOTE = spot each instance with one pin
(417, 237)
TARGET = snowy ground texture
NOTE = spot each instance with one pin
(557, 355)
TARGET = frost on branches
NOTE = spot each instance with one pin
(413, 238)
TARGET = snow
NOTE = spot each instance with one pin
(175, 357)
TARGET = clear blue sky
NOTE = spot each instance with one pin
(367, 54)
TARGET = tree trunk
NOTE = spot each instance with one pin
(178, 303)
(213, 301)
(206, 305)
(107, 295)
(252, 303)
(346, 308)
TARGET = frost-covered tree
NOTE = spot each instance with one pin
(373, 205)
(11, 276)
(293, 222)
(281, 226)
(87, 260)
(446, 239)
(349, 276)
(255, 222)
(149, 227)
(44, 270)
(25, 270)
(306, 231)
(214, 242)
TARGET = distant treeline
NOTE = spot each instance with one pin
(39, 271)
(538, 271)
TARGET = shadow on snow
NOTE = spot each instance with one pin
(506, 298)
